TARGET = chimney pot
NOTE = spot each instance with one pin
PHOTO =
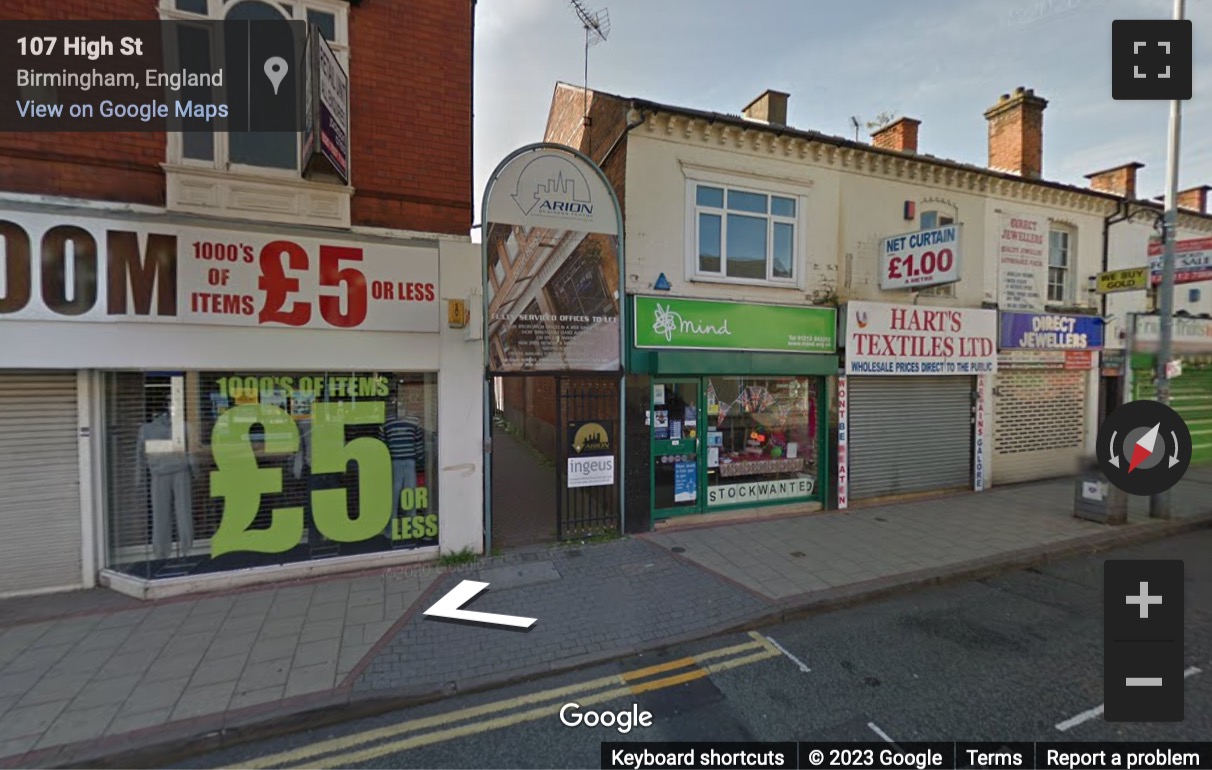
(899, 135)
(770, 107)
(1016, 133)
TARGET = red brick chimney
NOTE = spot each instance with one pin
(1120, 180)
(900, 135)
(1195, 199)
(1016, 133)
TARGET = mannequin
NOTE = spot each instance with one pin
(405, 441)
(170, 474)
(314, 480)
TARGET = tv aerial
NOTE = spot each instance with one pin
(597, 29)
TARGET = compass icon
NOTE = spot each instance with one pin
(1144, 447)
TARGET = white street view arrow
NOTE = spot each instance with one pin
(449, 606)
(1174, 457)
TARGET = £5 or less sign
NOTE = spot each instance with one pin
(103, 270)
(243, 484)
(920, 259)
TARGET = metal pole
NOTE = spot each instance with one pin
(1159, 505)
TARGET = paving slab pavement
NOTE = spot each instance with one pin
(108, 679)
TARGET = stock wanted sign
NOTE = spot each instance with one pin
(101, 270)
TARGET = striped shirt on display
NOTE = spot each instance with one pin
(405, 439)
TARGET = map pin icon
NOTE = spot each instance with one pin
(275, 70)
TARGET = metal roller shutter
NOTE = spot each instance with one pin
(1191, 397)
(1038, 423)
(40, 479)
(909, 434)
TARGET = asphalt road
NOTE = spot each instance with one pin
(1002, 659)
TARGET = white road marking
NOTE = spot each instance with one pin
(1097, 711)
(1085, 716)
(876, 729)
(789, 656)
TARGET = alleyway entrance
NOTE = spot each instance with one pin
(555, 459)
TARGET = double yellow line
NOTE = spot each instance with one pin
(346, 752)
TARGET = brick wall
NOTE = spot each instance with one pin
(112, 167)
(607, 121)
(410, 114)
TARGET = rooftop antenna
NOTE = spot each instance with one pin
(854, 121)
(597, 29)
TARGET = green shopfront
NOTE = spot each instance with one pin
(726, 406)
(1190, 377)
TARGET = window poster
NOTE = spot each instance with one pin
(713, 457)
(685, 483)
(675, 430)
(660, 424)
(658, 394)
(691, 416)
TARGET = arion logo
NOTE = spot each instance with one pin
(860, 318)
(551, 185)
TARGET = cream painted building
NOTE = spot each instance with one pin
(743, 209)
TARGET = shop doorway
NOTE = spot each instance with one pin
(675, 447)
(555, 459)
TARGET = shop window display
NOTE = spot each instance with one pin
(761, 439)
(215, 471)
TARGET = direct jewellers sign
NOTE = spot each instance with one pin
(99, 270)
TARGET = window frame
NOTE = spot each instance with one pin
(940, 220)
(1067, 283)
(220, 161)
(746, 185)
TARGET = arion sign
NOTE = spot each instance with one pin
(102, 270)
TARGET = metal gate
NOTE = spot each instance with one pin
(909, 434)
(589, 403)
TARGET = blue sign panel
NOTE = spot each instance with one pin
(1050, 331)
(685, 482)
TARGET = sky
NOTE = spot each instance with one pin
(943, 62)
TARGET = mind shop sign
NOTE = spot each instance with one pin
(885, 339)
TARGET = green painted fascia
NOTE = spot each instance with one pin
(696, 362)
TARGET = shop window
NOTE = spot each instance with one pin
(216, 471)
(930, 220)
(761, 439)
(744, 235)
(1060, 272)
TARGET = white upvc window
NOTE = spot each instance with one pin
(744, 233)
(930, 220)
(263, 152)
(252, 175)
(1060, 265)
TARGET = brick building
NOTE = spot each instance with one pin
(182, 310)
(740, 223)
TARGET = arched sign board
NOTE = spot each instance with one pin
(552, 265)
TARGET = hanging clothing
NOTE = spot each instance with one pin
(171, 487)
(303, 456)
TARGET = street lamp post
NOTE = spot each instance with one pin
(1159, 505)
